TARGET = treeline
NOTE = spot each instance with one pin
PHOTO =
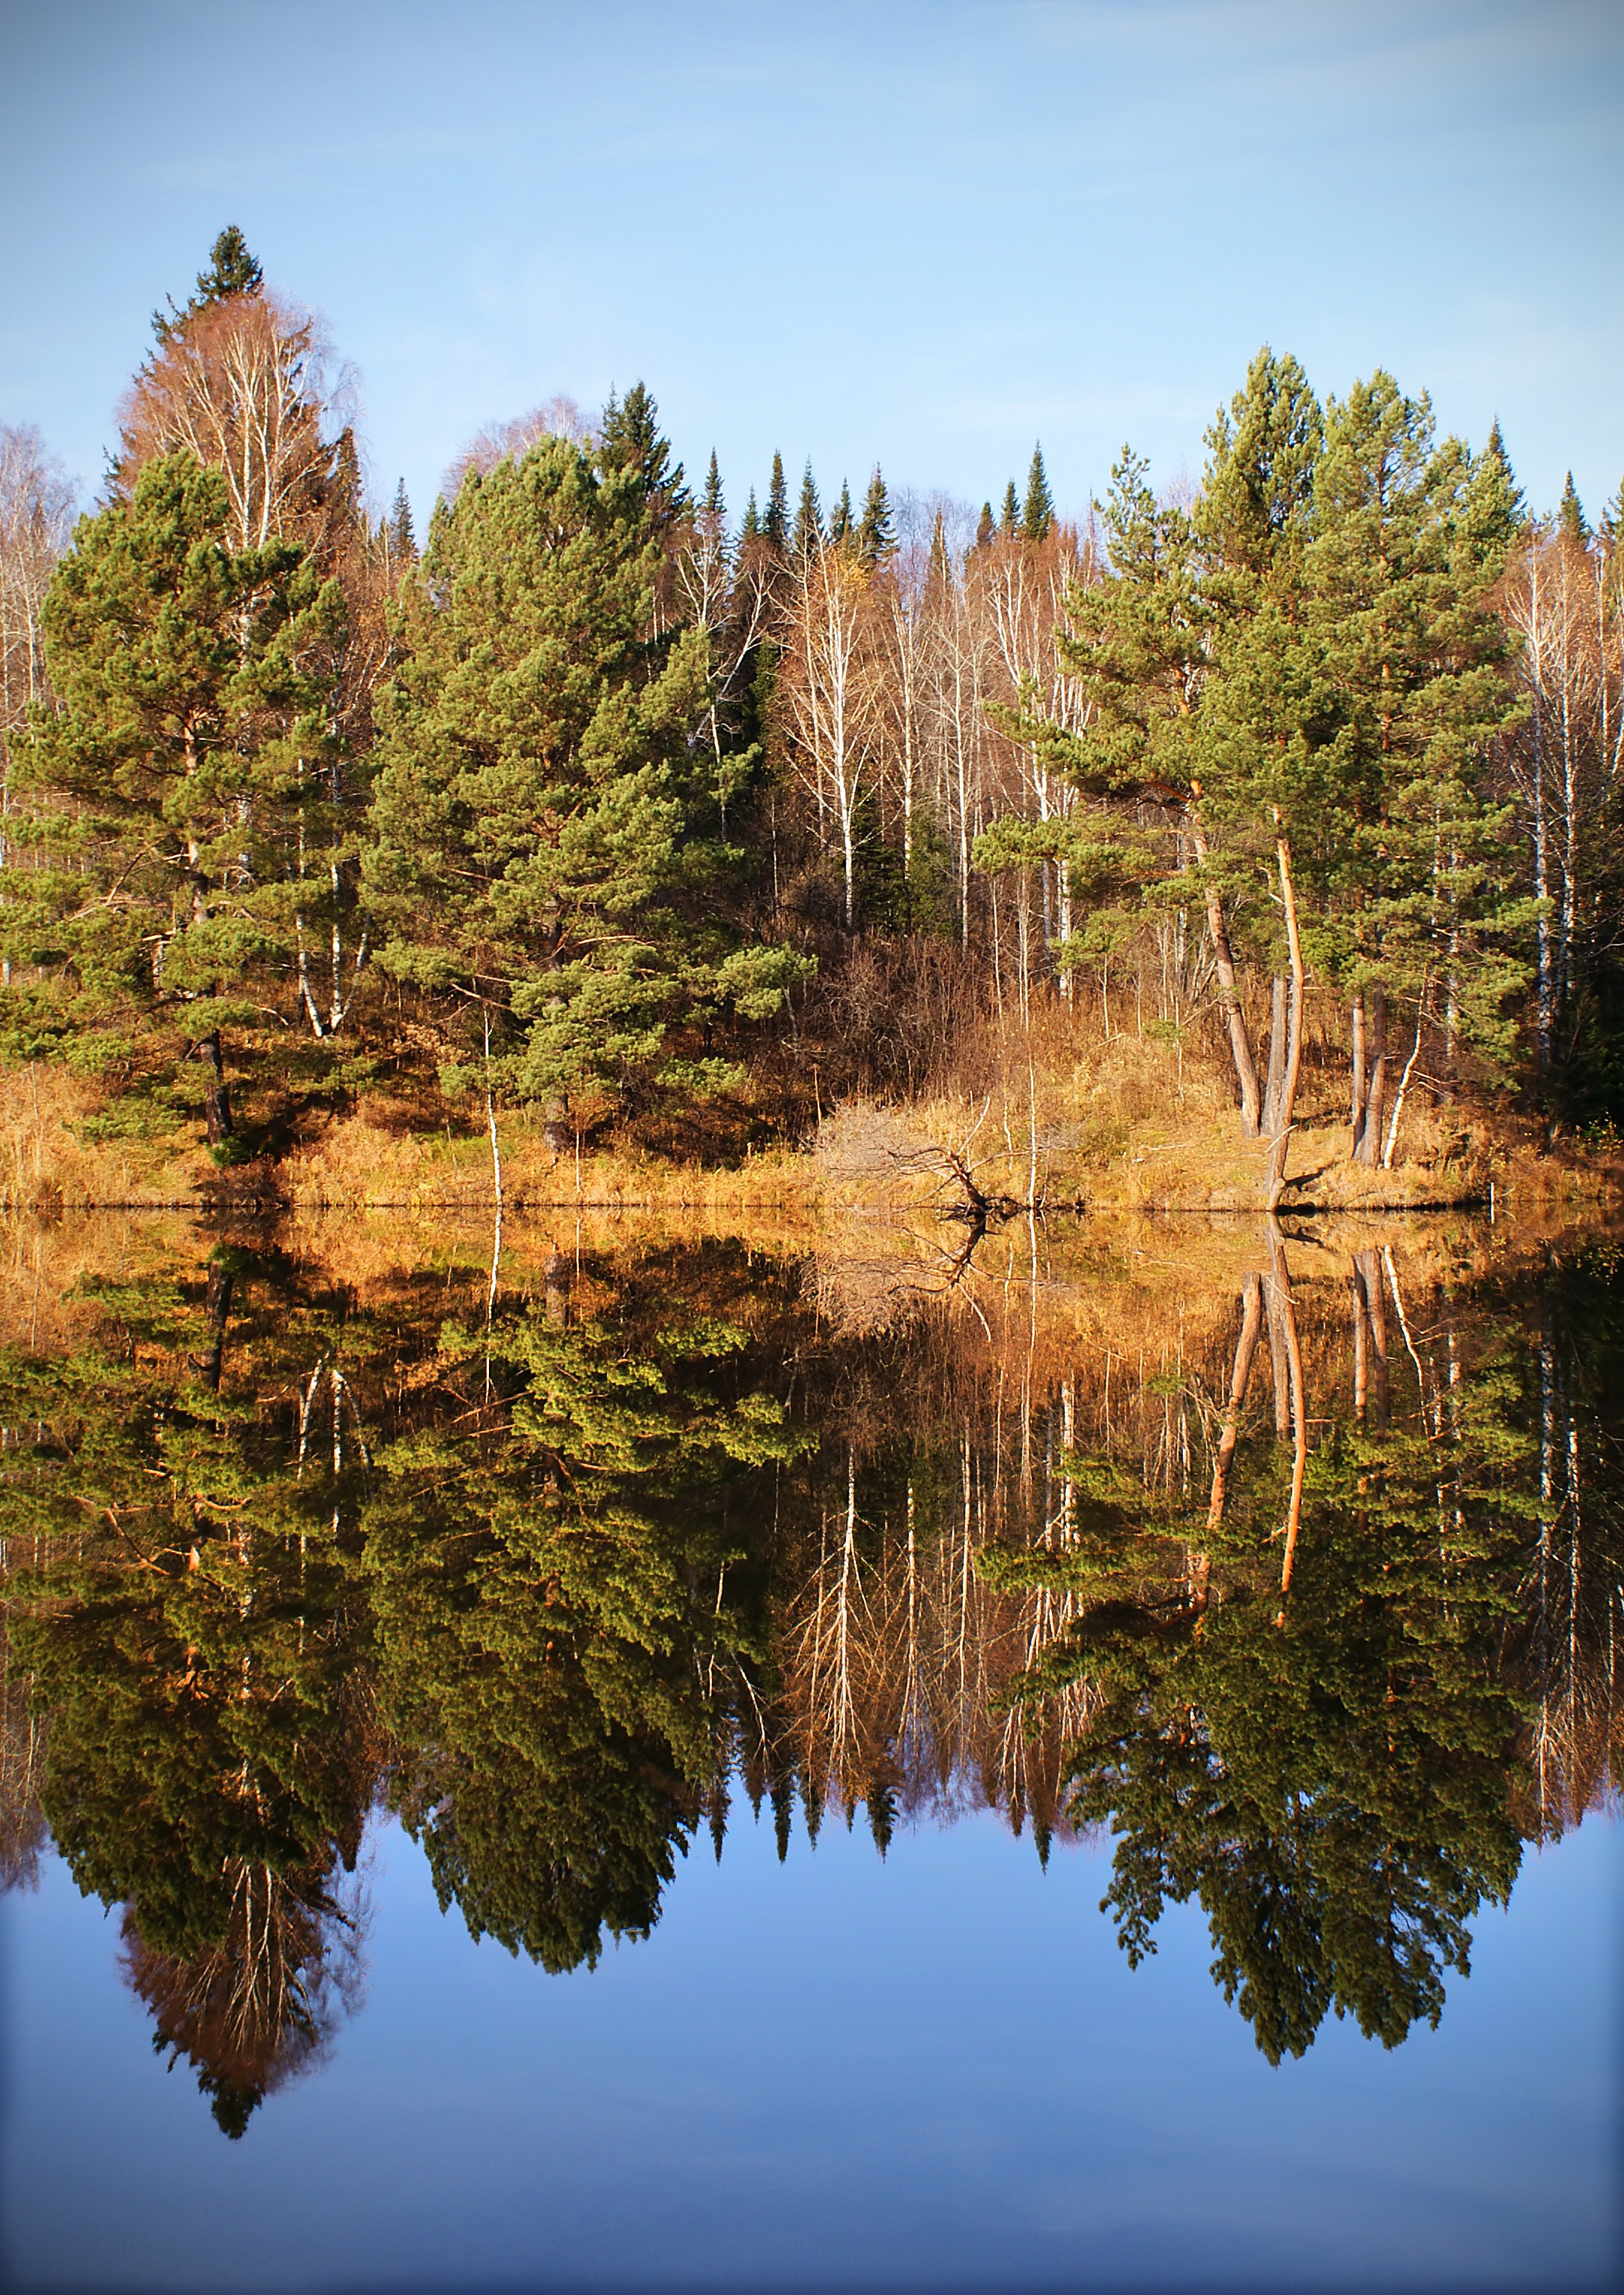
(608, 805)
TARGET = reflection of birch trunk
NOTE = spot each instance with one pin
(1245, 1348)
(1279, 1282)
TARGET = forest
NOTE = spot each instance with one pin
(609, 819)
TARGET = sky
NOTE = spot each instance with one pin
(925, 233)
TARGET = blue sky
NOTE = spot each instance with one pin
(915, 230)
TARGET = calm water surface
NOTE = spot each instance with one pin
(610, 1781)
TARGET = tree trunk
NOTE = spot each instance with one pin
(1223, 964)
(217, 1091)
(1367, 1273)
(1368, 1138)
(216, 1312)
(1286, 1109)
(1276, 1056)
(1356, 1099)
(1246, 1347)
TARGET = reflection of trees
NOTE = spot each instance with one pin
(189, 1630)
(1303, 1723)
(1310, 1594)
(551, 1571)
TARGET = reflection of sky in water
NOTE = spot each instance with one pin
(935, 2071)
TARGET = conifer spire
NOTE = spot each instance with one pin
(1010, 522)
(403, 540)
(1039, 514)
(1571, 518)
(840, 516)
(776, 524)
(232, 270)
(876, 535)
(809, 517)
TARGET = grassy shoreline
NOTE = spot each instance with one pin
(1060, 1152)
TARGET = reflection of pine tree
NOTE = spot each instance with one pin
(551, 1580)
(188, 1626)
(1328, 1773)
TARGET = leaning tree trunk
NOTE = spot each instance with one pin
(1276, 1083)
(1223, 965)
(1285, 1100)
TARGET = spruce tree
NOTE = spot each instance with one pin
(985, 529)
(840, 524)
(1038, 516)
(751, 529)
(808, 537)
(712, 503)
(232, 270)
(775, 524)
(629, 441)
(1009, 522)
(403, 542)
(877, 534)
(1571, 520)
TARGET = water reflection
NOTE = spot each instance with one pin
(1293, 1564)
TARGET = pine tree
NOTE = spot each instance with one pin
(877, 534)
(537, 755)
(1419, 890)
(775, 524)
(713, 505)
(985, 529)
(751, 529)
(195, 687)
(1039, 514)
(1009, 523)
(808, 537)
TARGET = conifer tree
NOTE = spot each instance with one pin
(1571, 520)
(985, 529)
(537, 758)
(711, 504)
(232, 270)
(877, 534)
(840, 527)
(775, 523)
(629, 440)
(192, 681)
(1038, 515)
(1009, 519)
(403, 542)
(750, 529)
(808, 538)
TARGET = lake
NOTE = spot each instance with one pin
(1035, 1759)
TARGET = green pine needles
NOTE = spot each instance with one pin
(545, 856)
